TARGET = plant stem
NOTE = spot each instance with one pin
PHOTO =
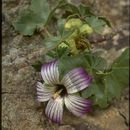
(47, 32)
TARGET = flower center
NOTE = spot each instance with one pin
(60, 91)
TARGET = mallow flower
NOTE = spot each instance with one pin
(59, 92)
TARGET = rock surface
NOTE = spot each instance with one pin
(20, 110)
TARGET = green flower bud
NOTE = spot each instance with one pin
(86, 29)
(72, 45)
(63, 45)
(74, 35)
(74, 22)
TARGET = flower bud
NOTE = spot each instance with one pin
(74, 35)
(63, 45)
(86, 29)
(72, 46)
(74, 22)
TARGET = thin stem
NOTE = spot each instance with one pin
(103, 73)
(47, 32)
(43, 31)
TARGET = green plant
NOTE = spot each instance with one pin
(71, 46)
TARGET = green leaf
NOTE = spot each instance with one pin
(96, 23)
(36, 16)
(28, 22)
(88, 61)
(37, 66)
(68, 63)
(80, 10)
(122, 61)
(105, 20)
(85, 10)
(51, 54)
(71, 8)
(96, 92)
(59, 4)
(32, 18)
(40, 6)
(67, 34)
(62, 31)
(119, 76)
(60, 25)
(110, 85)
(95, 62)
(62, 52)
(52, 42)
(58, 52)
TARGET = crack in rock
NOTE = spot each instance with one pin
(125, 119)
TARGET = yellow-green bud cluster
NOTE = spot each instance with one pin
(80, 28)
(86, 29)
(73, 23)
(77, 23)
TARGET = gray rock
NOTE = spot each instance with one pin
(66, 127)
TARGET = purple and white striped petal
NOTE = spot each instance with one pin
(44, 92)
(50, 73)
(54, 109)
(77, 105)
(76, 80)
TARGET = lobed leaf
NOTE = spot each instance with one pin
(96, 23)
(36, 16)
(88, 61)
(95, 62)
(52, 42)
(68, 63)
(85, 10)
(119, 76)
(110, 85)
(96, 92)
(33, 18)
(28, 22)
(60, 26)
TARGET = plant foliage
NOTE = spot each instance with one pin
(71, 46)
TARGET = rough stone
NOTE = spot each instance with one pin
(107, 119)
(87, 127)
(66, 127)
(20, 110)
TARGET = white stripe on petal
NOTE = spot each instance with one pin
(54, 109)
(44, 93)
(77, 105)
(76, 80)
(50, 73)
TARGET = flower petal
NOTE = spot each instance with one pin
(77, 105)
(54, 109)
(44, 92)
(50, 73)
(76, 80)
